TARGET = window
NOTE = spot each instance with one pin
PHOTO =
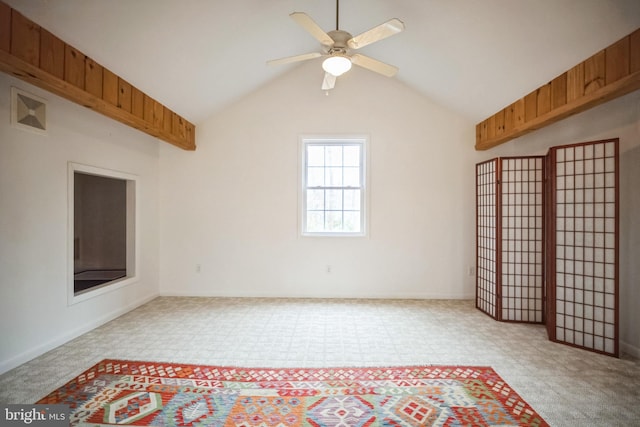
(102, 224)
(333, 186)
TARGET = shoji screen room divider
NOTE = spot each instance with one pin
(547, 242)
(510, 221)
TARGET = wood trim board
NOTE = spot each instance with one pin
(608, 74)
(33, 54)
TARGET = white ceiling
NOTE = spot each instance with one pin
(473, 56)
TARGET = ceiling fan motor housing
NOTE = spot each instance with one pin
(340, 39)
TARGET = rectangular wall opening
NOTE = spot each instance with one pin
(102, 210)
(99, 230)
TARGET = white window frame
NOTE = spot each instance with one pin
(309, 140)
(133, 233)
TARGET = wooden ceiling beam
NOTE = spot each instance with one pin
(610, 73)
(33, 54)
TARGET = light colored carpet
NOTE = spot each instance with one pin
(566, 386)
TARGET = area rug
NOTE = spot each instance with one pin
(173, 394)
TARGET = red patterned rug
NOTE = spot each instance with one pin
(172, 394)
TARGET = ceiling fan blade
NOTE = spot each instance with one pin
(312, 28)
(382, 31)
(296, 58)
(374, 65)
(329, 81)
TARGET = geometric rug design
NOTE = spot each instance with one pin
(117, 392)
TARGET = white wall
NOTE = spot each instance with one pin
(34, 315)
(617, 119)
(232, 207)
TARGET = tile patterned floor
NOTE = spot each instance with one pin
(567, 386)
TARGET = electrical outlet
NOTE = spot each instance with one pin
(198, 268)
(471, 271)
(328, 269)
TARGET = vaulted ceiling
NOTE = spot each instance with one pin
(474, 57)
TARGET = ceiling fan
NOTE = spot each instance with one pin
(337, 46)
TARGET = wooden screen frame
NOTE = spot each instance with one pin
(487, 238)
(596, 304)
(491, 266)
(517, 304)
(574, 299)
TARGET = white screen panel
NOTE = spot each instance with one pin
(585, 245)
(521, 192)
(486, 236)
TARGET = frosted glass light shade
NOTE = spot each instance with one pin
(336, 65)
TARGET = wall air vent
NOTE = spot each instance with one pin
(28, 112)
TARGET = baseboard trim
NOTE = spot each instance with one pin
(319, 296)
(28, 355)
(629, 349)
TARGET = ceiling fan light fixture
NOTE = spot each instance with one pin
(336, 65)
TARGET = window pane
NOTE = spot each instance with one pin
(334, 199)
(334, 177)
(315, 177)
(315, 155)
(315, 221)
(315, 200)
(333, 155)
(352, 200)
(351, 177)
(352, 155)
(352, 222)
(333, 221)
(333, 188)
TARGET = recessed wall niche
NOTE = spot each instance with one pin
(102, 212)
